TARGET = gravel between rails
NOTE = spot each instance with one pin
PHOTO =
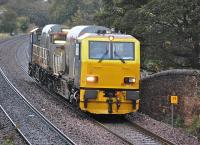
(126, 130)
(176, 135)
(8, 133)
(30, 124)
(71, 121)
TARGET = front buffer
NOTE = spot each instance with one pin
(109, 101)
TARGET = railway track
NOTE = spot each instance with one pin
(127, 139)
(130, 131)
(31, 111)
(25, 69)
(63, 100)
(138, 134)
(93, 135)
(29, 122)
(158, 137)
(15, 125)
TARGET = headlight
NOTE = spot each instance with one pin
(129, 80)
(92, 79)
(111, 38)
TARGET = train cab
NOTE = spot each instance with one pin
(106, 70)
(90, 66)
(110, 73)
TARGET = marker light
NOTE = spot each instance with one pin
(129, 80)
(92, 79)
(111, 38)
(59, 41)
(65, 30)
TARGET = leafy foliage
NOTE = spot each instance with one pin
(22, 23)
(36, 10)
(63, 10)
(7, 24)
(173, 26)
(169, 30)
(195, 127)
(76, 12)
(23, 12)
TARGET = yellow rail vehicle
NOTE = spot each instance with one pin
(98, 71)
(110, 73)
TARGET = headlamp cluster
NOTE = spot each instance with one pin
(92, 79)
(129, 80)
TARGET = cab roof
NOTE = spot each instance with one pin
(52, 28)
(77, 31)
(115, 35)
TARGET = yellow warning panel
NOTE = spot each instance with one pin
(174, 99)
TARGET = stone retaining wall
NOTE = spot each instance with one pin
(157, 89)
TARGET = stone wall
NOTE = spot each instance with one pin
(157, 89)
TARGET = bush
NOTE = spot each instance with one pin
(22, 23)
(195, 127)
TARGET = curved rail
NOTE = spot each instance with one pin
(160, 138)
(164, 141)
(61, 134)
(106, 128)
(20, 132)
(96, 122)
(143, 134)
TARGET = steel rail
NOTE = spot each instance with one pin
(147, 132)
(140, 130)
(106, 128)
(18, 130)
(66, 138)
(96, 122)
(154, 135)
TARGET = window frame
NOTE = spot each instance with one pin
(111, 52)
(133, 44)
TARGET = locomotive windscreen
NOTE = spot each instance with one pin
(111, 50)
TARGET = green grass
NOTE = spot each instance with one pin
(195, 127)
(8, 141)
(4, 36)
(178, 121)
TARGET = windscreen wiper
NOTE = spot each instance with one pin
(100, 60)
(119, 57)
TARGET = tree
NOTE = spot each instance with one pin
(77, 12)
(8, 24)
(36, 10)
(63, 10)
(22, 23)
(168, 30)
(172, 29)
(113, 11)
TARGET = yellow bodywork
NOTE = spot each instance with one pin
(110, 75)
